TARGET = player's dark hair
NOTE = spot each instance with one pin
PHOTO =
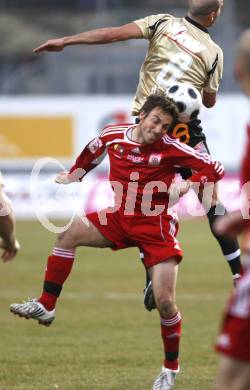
(167, 105)
(203, 8)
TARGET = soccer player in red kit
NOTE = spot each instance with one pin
(180, 50)
(143, 163)
(233, 343)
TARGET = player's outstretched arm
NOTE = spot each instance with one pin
(8, 241)
(177, 190)
(93, 37)
(70, 177)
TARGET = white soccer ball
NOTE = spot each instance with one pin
(188, 100)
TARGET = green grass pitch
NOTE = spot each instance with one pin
(102, 337)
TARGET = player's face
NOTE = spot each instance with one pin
(241, 74)
(154, 125)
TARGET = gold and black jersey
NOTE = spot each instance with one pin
(179, 50)
(190, 133)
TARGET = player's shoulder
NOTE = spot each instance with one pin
(163, 16)
(152, 21)
(168, 139)
(158, 16)
(169, 142)
(149, 25)
(216, 46)
(115, 130)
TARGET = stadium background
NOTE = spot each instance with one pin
(50, 106)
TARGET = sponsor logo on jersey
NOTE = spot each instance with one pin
(135, 159)
(118, 151)
(95, 145)
(154, 159)
(203, 179)
(118, 148)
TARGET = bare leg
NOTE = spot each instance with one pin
(164, 276)
(59, 265)
(82, 233)
(233, 374)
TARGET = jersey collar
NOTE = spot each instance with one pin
(196, 24)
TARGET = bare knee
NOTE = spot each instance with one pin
(166, 306)
(82, 233)
(67, 239)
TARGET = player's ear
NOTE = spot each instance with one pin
(212, 17)
(142, 115)
(209, 19)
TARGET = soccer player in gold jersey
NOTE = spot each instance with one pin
(180, 50)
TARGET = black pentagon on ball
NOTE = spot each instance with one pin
(192, 93)
(173, 89)
(181, 106)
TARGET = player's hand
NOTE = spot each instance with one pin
(70, 177)
(51, 45)
(9, 249)
(63, 178)
(177, 190)
(185, 187)
(230, 224)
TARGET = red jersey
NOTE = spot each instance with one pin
(245, 167)
(234, 338)
(245, 172)
(142, 174)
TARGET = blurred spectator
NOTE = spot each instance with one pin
(234, 340)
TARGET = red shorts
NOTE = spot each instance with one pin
(234, 339)
(155, 236)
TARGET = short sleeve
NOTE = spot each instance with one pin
(215, 73)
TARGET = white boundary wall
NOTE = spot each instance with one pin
(224, 126)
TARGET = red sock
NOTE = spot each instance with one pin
(171, 333)
(58, 269)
